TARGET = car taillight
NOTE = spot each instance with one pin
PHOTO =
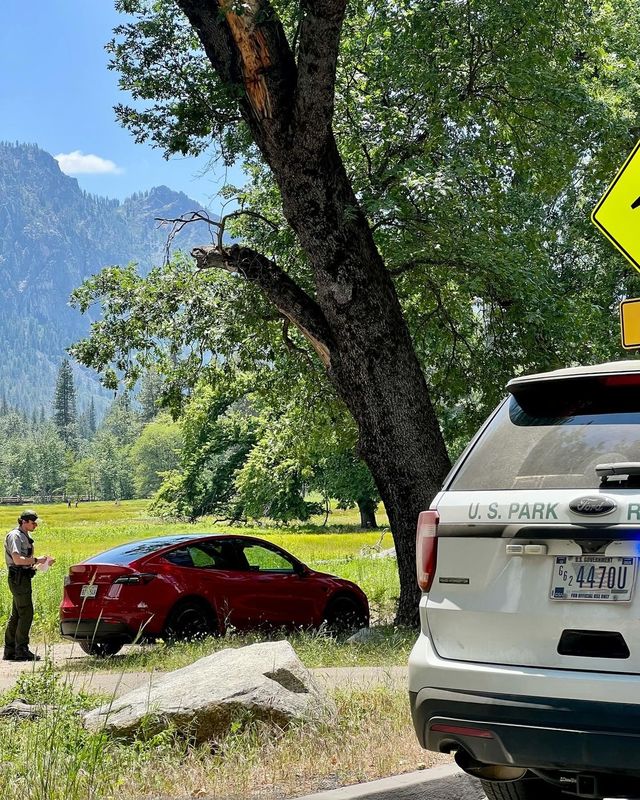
(426, 548)
(142, 577)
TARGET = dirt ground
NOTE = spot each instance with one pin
(65, 656)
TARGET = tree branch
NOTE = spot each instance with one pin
(249, 50)
(290, 300)
(317, 60)
(178, 223)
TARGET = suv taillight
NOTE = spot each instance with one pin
(426, 548)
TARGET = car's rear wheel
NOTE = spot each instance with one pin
(189, 621)
(344, 615)
(524, 789)
(108, 647)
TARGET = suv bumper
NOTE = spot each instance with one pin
(540, 719)
(538, 733)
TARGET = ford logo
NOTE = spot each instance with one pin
(592, 506)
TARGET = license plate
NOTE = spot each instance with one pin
(90, 590)
(600, 579)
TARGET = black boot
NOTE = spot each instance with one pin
(25, 655)
(8, 655)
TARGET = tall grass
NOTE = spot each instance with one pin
(55, 758)
(389, 648)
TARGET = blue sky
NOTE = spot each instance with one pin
(56, 92)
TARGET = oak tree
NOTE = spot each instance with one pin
(463, 127)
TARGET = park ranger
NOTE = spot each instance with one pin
(21, 563)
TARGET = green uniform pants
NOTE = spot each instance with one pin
(16, 636)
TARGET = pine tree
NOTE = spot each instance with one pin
(150, 393)
(64, 406)
(91, 424)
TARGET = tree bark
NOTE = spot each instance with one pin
(354, 322)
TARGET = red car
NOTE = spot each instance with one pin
(189, 586)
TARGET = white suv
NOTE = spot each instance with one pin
(528, 661)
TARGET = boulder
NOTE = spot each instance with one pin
(265, 681)
(369, 636)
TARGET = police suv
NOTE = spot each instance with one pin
(528, 662)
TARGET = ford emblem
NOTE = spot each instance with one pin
(592, 506)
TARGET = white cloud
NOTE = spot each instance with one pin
(77, 163)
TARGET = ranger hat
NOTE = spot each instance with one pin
(28, 515)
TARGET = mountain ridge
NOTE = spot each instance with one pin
(53, 235)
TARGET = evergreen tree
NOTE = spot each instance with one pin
(87, 425)
(64, 406)
(151, 389)
(91, 418)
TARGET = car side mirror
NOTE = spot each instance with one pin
(301, 570)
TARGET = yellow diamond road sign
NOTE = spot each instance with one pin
(618, 212)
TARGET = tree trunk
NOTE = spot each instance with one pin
(371, 359)
(354, 321)
(367, 508)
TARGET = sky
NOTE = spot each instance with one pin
(56, 92)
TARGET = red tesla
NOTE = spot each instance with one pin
(190, 586)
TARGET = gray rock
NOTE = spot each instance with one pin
(266, 682)
(22, 710)
(367, 636)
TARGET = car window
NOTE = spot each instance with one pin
(264, 559)
(526, 449)
(200, 557)
(214, 555)
(205, 555)
(180, 557)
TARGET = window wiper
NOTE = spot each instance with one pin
(629, 468)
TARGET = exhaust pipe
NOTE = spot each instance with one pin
(488, 772)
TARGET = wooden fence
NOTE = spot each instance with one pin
(33, 500)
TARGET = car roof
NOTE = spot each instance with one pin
(133, 551)
(595, 370)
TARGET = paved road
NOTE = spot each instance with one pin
(440, 783)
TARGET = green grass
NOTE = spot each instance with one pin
(55, 758)
(390, 647)
(73, 534)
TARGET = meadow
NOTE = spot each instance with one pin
(72, 534)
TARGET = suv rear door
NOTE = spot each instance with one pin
(537, 557)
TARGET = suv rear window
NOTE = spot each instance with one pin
(553, 434)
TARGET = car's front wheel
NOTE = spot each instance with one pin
(523, 789)
(344, 615)
(189, 621)
(108, 647)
